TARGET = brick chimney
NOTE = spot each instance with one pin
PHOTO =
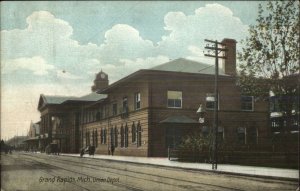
(229, 64)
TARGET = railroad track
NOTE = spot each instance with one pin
(148, 178)
(143, 176)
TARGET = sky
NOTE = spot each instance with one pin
(56, 48)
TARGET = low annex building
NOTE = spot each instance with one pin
(151, 110)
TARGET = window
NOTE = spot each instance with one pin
(87, 138)
(122, 136)
(252, 135)
(137, 101)
(116, 136)
(82, 138)
(98, 115)
(241, 135)
(139, 135)
(114, 109)
(104, 136)
(174, 99)
(112, 136)
(96, 138)
(247, 103)
(133, 133)
(125, 105)
(101, 136)
(126, 135)
(210, 101)
(93, 137)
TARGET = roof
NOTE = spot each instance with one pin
(93, 97)
(188, 66)
(56, 99)
(46, 99)
(89, 97)
(179, 65)
(178, 119)
(49, 99)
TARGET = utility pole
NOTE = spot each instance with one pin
(214, 51)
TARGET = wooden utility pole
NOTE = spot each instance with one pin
(214, 51)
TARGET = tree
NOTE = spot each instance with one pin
(269, 60)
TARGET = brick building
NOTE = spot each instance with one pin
(150, 110)
(60, 120)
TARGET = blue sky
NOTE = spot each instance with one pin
(56, 48)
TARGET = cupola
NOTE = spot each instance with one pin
(100, 82)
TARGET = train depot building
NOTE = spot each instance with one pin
(151, 110)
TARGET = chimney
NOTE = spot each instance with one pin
(229, 64)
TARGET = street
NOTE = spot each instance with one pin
(28, 171)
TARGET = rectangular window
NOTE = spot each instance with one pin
(174, 99)
(137, 101)
(241, 135)
(114, 109)
(125, 105)
(210, 101)
(247, 103)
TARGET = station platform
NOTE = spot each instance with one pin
(253, 171)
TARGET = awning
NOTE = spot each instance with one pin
(32, 139)
(179, 119)
(59, 136)
(206, 129)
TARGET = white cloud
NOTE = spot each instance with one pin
(21, 102)
(46, 46)
(36, 64)
(213, 21)
(124, 41)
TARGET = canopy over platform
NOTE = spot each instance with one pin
(181, 119)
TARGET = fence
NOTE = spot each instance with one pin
(238, 156)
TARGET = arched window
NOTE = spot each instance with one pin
(101, 136)
(126, 136)
(93, 137)
(112, 136)
(96, 138)
(104, 136)
(139, 135)
(86, 138)
(116, 136)
(133, 133)
(122, 136)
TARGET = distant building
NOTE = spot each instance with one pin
(279, 118)
(32, 143)
(60, 120)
